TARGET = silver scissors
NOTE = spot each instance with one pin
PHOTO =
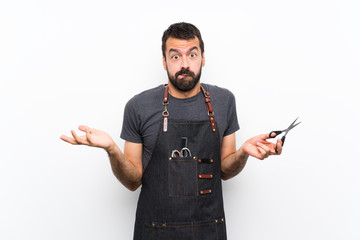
(292, 125)
(184, 152)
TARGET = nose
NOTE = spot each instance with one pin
(185, 63)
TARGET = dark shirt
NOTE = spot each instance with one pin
(143, 114)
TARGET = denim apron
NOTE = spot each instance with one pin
(181, 197)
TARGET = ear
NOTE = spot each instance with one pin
(203, 59)
(164, 63)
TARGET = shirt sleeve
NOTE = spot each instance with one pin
(131, 123)
(233, 124)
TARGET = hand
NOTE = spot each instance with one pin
(260, 148)
(93, 138)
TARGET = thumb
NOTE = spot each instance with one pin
(88, 135)
(84, 128)
(264, 136)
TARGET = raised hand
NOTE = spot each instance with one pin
(93, 137)
(260, 148)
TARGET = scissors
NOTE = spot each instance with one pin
(292, 125)
(184, 152)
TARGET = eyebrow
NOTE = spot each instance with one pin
(193, 48)
(176, 50)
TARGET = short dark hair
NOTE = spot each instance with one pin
(181, 30)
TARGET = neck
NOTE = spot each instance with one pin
(183, 94)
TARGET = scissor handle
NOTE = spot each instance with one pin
(185, 152)
(282, 143)
(276, 132)
(176, 153)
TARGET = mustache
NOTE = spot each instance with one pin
(184, 71)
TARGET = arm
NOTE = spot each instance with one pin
(127, 166)
(232, 161)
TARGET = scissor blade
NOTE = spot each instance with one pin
(293, 126)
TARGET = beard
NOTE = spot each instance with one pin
(184, 84)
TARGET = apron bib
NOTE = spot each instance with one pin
(181, 194)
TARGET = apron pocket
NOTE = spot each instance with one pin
(183, 179)
(205, 230)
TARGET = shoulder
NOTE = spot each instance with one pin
(219, 93)
(147, 97)
(223, 101)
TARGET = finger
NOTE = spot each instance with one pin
(262, 153)
(265, 136)
(68, 139)
(273, 135)
(270, 150)
(77, 138)
(279, 147)
(263, 146)
(84, 128)
(88, 135)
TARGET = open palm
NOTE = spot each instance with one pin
(93, 137)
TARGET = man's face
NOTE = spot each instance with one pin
(183, 62)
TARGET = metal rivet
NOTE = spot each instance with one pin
(201, 192)
(222, 219)
(216, 220)
(210, 191)
(153, 224)
(212, 160)
(194, 157)
(169, 158)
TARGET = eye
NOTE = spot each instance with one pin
(175, 57)
(192, 55)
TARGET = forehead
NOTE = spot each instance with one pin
(181, 44)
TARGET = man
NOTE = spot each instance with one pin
(179, 144)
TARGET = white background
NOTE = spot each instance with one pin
(65, 63)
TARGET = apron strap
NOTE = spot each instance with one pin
(207, 102)
(165, 112)
(209, 108)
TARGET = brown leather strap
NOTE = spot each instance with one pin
(202, 176)
(165, 112)
(207, 191)
(209, 108)
(166, 93)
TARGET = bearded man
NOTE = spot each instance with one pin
(179, 146)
